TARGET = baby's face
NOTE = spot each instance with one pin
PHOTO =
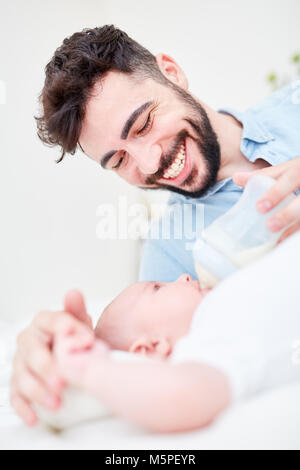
(149, 317)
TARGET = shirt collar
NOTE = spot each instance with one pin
(175, 197)
(252, 129)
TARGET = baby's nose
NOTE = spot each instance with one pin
(184, 278)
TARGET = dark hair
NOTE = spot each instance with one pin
(82, 60)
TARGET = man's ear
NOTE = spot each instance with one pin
(154, 347)
(171, 70)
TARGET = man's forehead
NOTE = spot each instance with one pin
(118, 94)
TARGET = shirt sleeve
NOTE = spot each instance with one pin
(158, 265)
(165, 258)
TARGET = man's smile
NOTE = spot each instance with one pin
(177, 165)
(179, 171)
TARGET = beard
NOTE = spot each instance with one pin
(195, 185)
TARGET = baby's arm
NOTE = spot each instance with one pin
(156, 395)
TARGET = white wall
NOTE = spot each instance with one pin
(226, 47)
(48, 212)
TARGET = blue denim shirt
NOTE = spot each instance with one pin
(271, 131)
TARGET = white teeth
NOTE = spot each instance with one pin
(176, 167)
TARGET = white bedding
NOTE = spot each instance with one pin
(271, 421)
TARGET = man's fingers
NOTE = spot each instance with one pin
(26, 384)
(36, 378)
(44, 367)
(75, 305)
(48, 321)
(290, 231)
(39, 358)
(37, 353)
(23, 409)
(290, 214)
(285, 185)
(242, 178)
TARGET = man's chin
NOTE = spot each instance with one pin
(183, 189)
(174, 189)
(190, 187)
(195, 194)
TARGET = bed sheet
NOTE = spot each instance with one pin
(270, 421)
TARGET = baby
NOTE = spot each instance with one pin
(203, 350)
(147, 318)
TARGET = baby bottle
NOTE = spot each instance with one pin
(238, 237)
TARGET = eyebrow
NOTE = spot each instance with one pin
(125, 131)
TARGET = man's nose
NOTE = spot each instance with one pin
(147, 159)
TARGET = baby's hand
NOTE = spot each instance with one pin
(76, 355)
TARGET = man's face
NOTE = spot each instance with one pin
(150, 135)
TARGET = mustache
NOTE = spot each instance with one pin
(166, 160)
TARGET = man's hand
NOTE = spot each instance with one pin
(287, 176)
(76, 358)
(36, 378)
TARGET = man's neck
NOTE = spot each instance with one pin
(229, 132)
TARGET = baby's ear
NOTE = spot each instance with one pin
(140, 346)
(158, 347)
(163, 347)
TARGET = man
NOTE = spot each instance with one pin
(132, 113)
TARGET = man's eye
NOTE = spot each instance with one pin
(118, 164)
(147, 124)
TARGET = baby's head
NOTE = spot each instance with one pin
(149, 317)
